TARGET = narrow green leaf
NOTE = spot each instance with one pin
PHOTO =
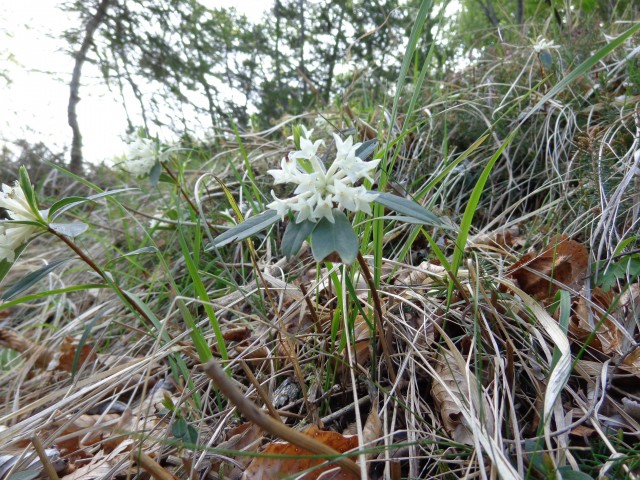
(472, 206)
(51, 293)
(294, 235)
(65, 204)
(5, 265)
(30, 279)
(337, 237)
(582, 69)
(139, 251)
(410, 208)
(69, 229)
(246, 229)
(367, 148)
(25, 184)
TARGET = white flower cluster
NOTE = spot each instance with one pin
(542, 43)
(140, 158)
(319, 190)
(12, 235)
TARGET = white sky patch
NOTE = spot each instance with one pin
(34, 57)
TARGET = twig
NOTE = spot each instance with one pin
(48, 468)
(153, 468)
(274, 427)
(261, 393)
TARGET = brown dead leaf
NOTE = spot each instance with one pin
(451, 377)
(608, 338)
(237, 334)
(84, 430)
(243, 438)
(631, 362)
(563, 260)
(68, 352)
(451, 415)
(102, 465)
(501, 240)
(268, 468)
(16, 341)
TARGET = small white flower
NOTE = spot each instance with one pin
(346, 151)
(12, 235)
(324, 208)
(542, 43)
(281, 207)
(286, 173)
(15, 201)
(307, 150)
(141, 157)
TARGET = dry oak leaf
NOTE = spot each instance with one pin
(452, 379)
(563, 260)
(608, 338)
(273, 468)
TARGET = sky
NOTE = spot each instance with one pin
(34, 57)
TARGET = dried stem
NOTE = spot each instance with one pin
(269, 424)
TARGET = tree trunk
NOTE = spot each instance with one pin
(490, 13)
(76, 144)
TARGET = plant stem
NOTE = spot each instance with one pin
(271, 425)
(89, 261)
(377, 313)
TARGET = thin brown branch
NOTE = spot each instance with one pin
(269, 424)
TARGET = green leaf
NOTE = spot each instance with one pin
(582, 69)
(626, 266)
(139, 251)
(294, 235)
(337, 237)
(69, 229)
(51, 213)
(410, 208)
(185, 432)
(569, 474)
(154, 174)
(5, 265)
(29, 474)
(367, 148)
(65, 204)
(29, 279)
(246, 229)
(30, 195)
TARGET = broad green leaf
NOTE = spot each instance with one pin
(409, 208)
(246, 229)
(367, 148)
(154, 174)
(29, 474)
(29, 279)
(69, 229)
(183, 431)
(628, 266)
(569, 474)
(5, 265)
(294, 235)
(337, 237)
